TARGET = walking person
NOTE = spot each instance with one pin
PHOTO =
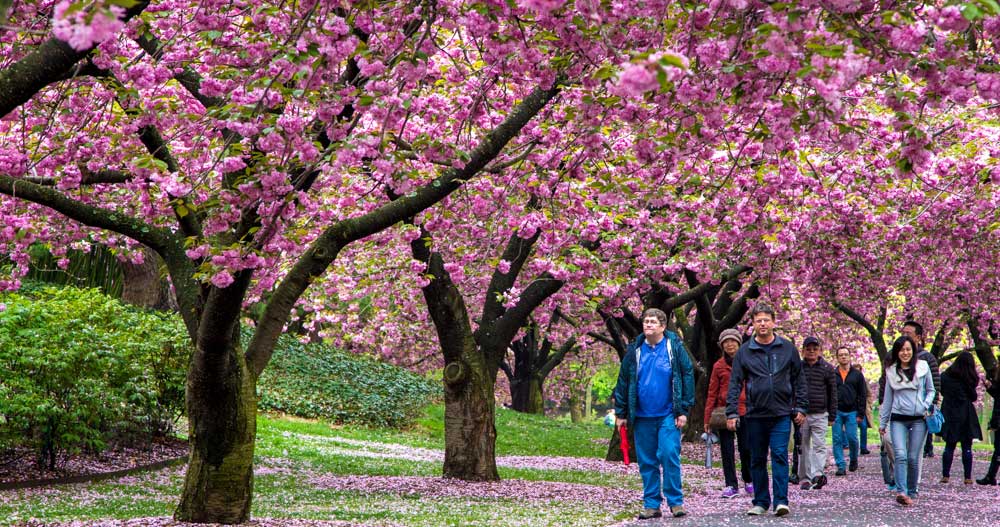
(851, 402)
(909, 397)
(993, 388)
(865, 423)
(653, 396)
(961, 425)
(821, 387)
(770, 367)
(913, 329)
(718, 384)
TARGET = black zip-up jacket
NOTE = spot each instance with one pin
(851, 392)
(774, 381)
(821, 385)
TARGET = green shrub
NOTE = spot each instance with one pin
(79, 368)
(317, 381)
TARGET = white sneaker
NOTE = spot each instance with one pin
(757, 510)
(782, 510)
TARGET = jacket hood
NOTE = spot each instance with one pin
(892, 377)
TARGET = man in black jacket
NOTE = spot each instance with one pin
(771, 370)
(851, 403)
(821, 386)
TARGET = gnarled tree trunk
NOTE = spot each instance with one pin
(469, 410)
(222, 411)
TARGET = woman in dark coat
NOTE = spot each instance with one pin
(958, 392)
(993, 388)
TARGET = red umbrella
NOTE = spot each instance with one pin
(624, 437)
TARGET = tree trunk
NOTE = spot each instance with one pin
(469, 410)
(575, 409)
(526, 395)
(141, 283)
(222, 411)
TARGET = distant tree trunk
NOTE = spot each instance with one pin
(142, 285)
(526, 395)
(576, 408)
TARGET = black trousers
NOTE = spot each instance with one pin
(949, 452)
(726, 439)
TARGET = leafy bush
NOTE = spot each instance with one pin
(79, 368)
(317, 381)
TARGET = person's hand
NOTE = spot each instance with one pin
(619, 422)
(987, 383)
(799, 418)
(731, 424)
(680, 421)
(860, 419)
(881, 431)
(708, 429)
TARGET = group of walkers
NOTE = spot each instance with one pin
(761, 390)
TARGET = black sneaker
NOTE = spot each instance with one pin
(793, 479)
(819, 481)
(865, 451)
(840, 472)
(854, 466)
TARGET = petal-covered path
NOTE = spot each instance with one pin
(856, 500)
(859, 499)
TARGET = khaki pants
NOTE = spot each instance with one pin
(813, 459)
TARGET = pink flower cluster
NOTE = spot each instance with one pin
(84, 28)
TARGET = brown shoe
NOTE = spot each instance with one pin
(944, 479)
(967, 481)
(648, 514)
(904, 500)
(678, 511)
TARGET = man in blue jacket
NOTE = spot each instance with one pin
(654, 394)
(770, 367)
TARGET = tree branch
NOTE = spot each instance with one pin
(328, 245)
(47, 64)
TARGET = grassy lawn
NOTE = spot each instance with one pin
(293, 453)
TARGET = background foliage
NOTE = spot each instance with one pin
(81, 369)
(315, 380)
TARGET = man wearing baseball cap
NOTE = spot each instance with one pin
(821, 386)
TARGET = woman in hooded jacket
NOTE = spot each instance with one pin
(909, 396)
(961, 425)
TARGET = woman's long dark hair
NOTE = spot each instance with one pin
(964, 369)
(896, 347)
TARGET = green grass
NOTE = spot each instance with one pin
(292, 450)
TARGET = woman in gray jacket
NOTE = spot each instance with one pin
(909, 396)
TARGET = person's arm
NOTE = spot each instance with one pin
(935, 374)
(735, 387)
(861, 400)
(831, 390)
(930, 394)
(687, 381)
(799, 387)
(886, 409)
(621, 388)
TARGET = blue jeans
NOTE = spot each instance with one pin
(863, 433)
(658, 444)
(769, 433)
(908, 444)
(845, 432)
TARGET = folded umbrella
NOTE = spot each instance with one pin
(624, 442)
(709, 439)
